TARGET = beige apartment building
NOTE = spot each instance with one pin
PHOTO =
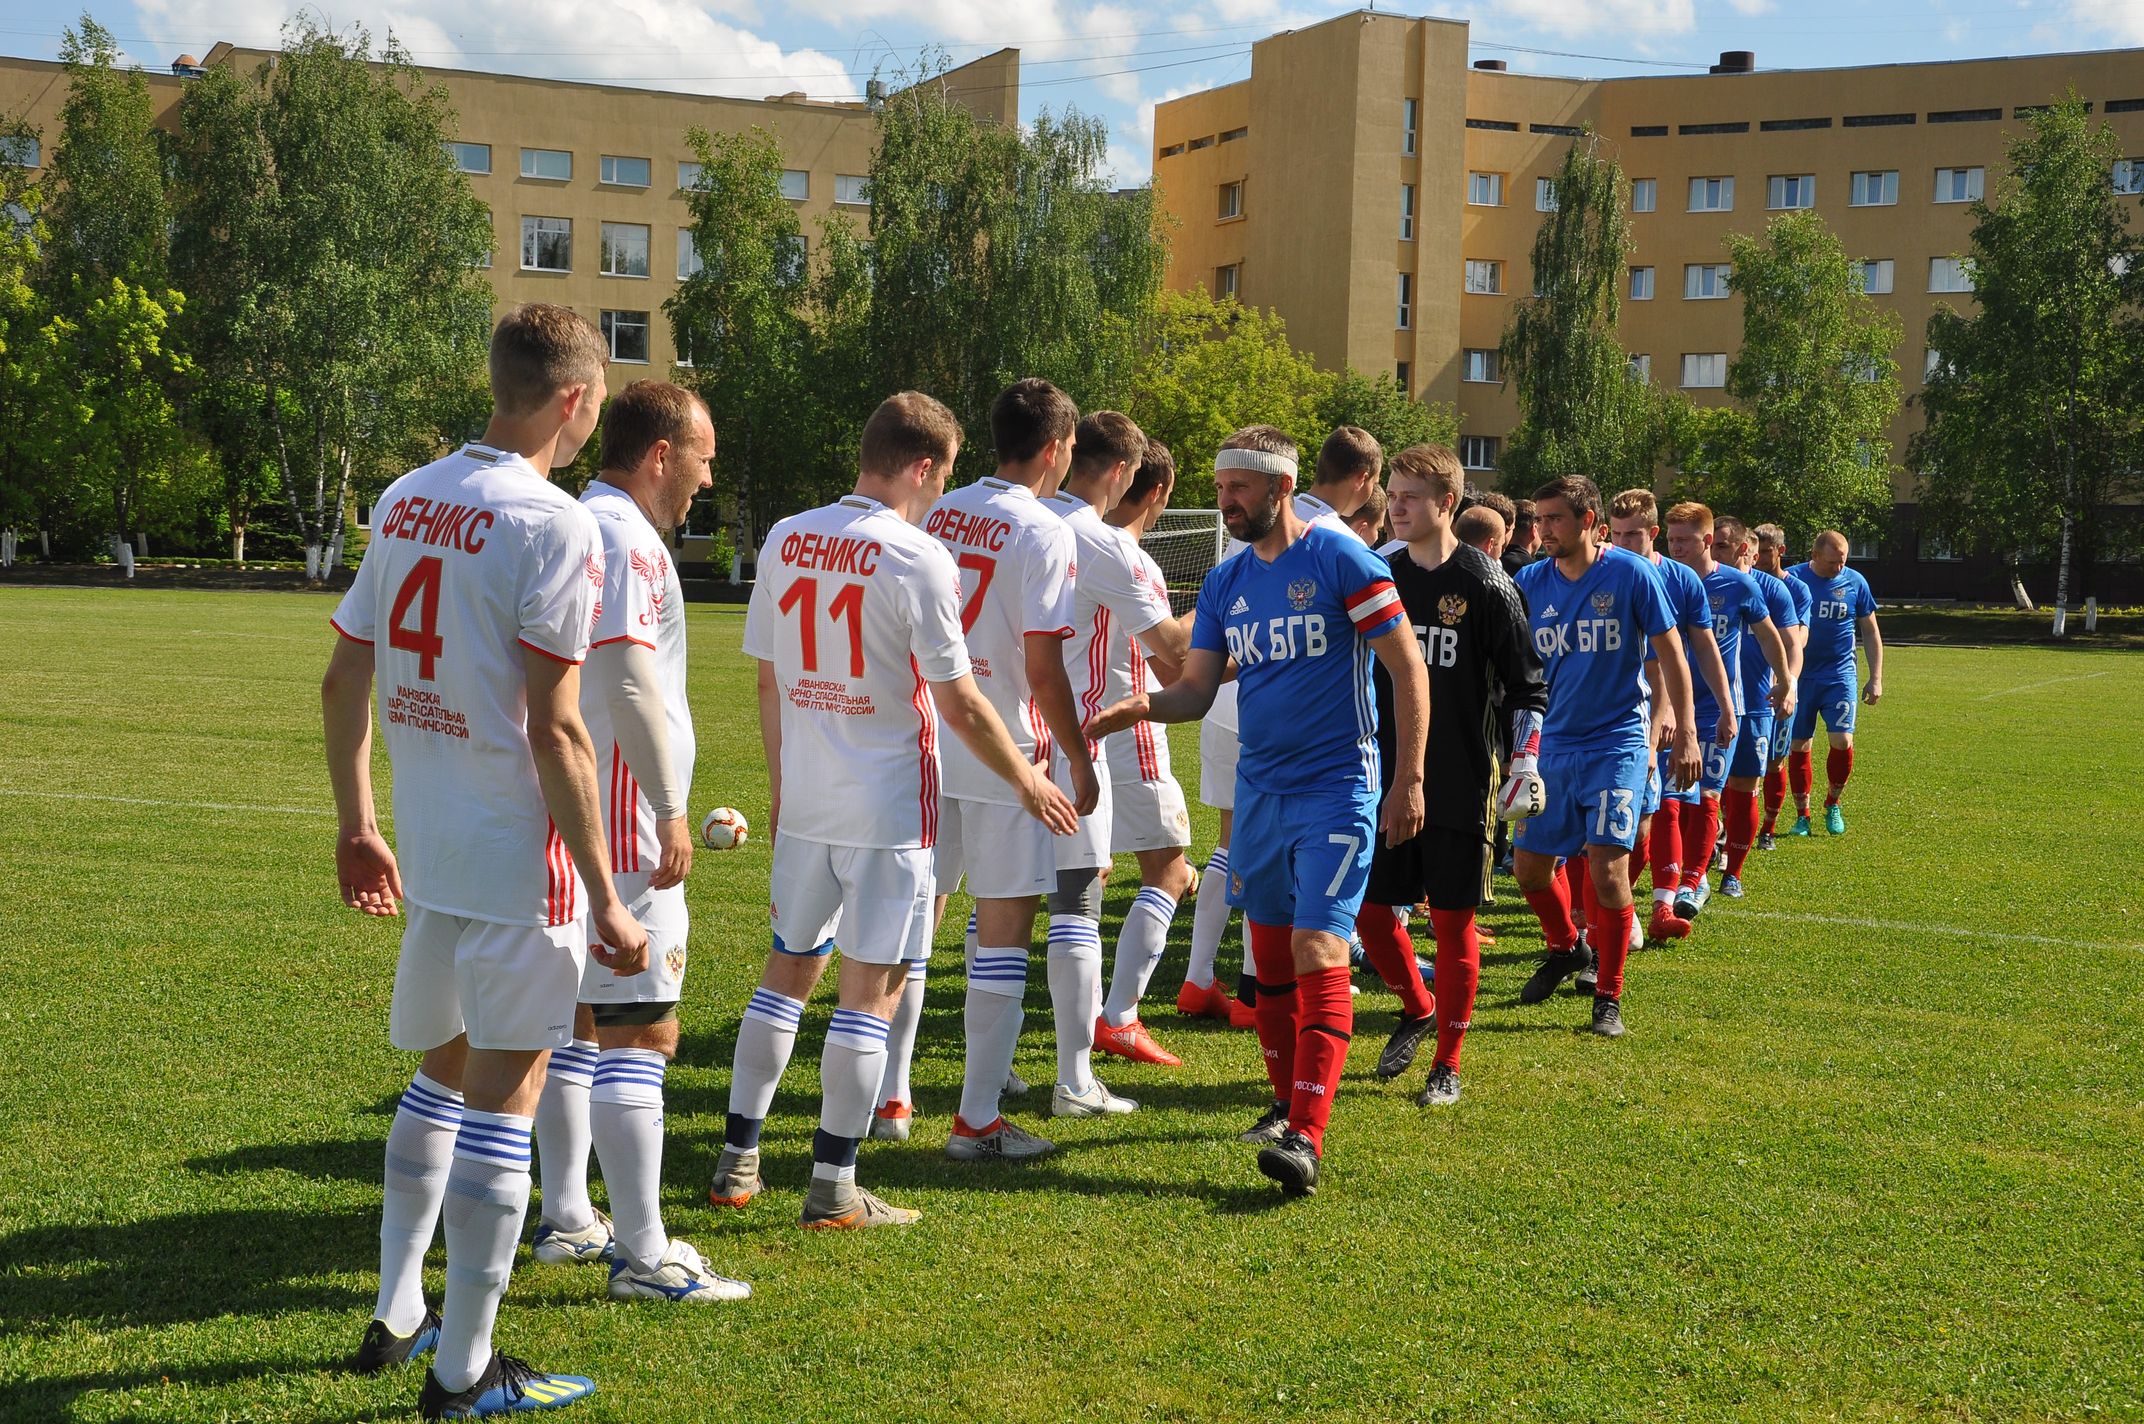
(1382, 195)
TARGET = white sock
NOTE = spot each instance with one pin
(1209, 919)
(625, 1116)
(901, 1040)
(765, 1040)
(1075, 969)
(1663, 897)
(1139, 945)
(851, 1067)
(419, 1147)
(487, 1197)
(969, 942)
(997, 981)
(562, 1139)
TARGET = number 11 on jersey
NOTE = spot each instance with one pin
(846, 606)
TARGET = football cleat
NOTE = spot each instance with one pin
(1293, 1163)
(680, 1275)
(844, 1206)
(1588, 980)
(507, 1386)
(1767, 841)
(1690, 900)
(1406, 1041)
(1731, 886)
(1665, 925)
(1442, 1089)
(1208, 1002)
(1556, 966)
(1269, 1127)
(890, 1120)
(1719, 860)
(1241, 1015)
(1608, 1017)
(999, 1140)
(555, 1246)
(1134, 1042)
(1800, 826)
(382, 1349)
(737, 1178)
(1834, 820)
(1015, 1085)
(1522, 796)
(1095, 1100)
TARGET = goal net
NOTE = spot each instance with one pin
(1187, 543)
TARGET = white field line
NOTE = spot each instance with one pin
(2027, 687)
(1917, 927)
(7, 791)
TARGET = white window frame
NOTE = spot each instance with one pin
(532, 164)
(1231, 201)
(688, 255)
(1406, 212)
(611, 321)
(792, 257)
(1960, 185)
(535, 234)
(1479, 452)
(617, 240)
(688, 174)
(2128, 175)
(1479, 181)
(609, 168)
(1228, 279)
(1481, 365)
(1874, 188)
(1640, 366)
(1485, 276)
(1406, 301)
(1879, 276)
(1790, 192)
(1715, 366)
(796, 184)
(1704, 190)
(852, 190)
(1949, 275)
(1642, 283)
(1644, 195)
(1411, 125)
(455, 153)
(1706, 281)
(1930, 364)
(1544, 195)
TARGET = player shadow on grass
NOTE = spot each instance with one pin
(52, 1399)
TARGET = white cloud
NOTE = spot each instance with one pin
(2118, 21)
(1571, 18)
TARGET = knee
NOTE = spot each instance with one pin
(1175, 879)
(1078, 892)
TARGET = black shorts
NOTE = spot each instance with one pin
(1449, 868)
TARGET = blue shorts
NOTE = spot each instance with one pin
(1753, 745)
(1594, 798)
(1836, 700)
(1301, 861)
(1663, 773)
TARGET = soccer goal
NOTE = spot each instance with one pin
(1187, 543)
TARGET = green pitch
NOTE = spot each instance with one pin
(1870, 1152)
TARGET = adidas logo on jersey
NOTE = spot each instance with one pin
(1549, 612)
(1239, 606)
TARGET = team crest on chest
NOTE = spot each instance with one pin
(1300, 593)
(1604, 602)
(1451, 608)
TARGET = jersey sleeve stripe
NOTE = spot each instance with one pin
(1374, 605)
(348, 634)
(1064, 632)
(554, 657)
(621, 638)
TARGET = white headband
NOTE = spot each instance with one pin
(1257, 460)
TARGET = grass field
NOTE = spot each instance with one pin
(1871, 1150)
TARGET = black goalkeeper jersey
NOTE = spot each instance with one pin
(1468, 618)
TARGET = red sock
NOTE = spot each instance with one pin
(1838, 765)
(1637, 862)
(1272, 950)
(1586, 900)
(1325, 1022)
(1667, 846)
(1740, 810)
(1391, 949)
(1700, 828)
(1802, 772)
(1553, 906)
(1458, 976)
(1611, 948)
(1578, 889)
(1775, 795)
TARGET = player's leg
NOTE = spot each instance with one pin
(1011, 863)
(1839, 713)
(1616, 787)
(1738, 802)
(896, 1094)
(1211, 915)
(1165, 878)
(568, 1227)
(1075, 972)
(1458, 882)
(1558, 831)
(1700, 831)
(1801, 773)
(1382, 928)
(1775, 790)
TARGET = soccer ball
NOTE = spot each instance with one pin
(724, 829)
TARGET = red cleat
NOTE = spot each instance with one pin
(1134, 1042)
(1211, 1002)
(1664, 925)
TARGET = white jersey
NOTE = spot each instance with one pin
(475, 558)
(859, 611)
(1112, 600)
(1311, 510)
(643, 603)
(1016, 577)
(1127, 667)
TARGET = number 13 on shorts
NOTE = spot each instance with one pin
(1615, 819)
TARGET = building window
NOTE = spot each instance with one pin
(1172, 150)
(1644, 195)
(1481, 364)
(547, 244)
(1704, 370)
(1931, 364)
(466, 157)
(1641, 284)
(623, 172)
(688, 255)
(1227, 279)
(1876, 276)
(1485, 190)
(2128, 174)
(627, 333)
(688, 175)
(26, 151)
(490, 246)
(853, 189)
(1407, 212)
(1960, 185)
(1935, 549)
(1705, 281)
(1544, 195)
(1875, 189)
(1484, 277)
(1791, 190)
(1712, 195)
(1949, 274)
(1231, 135)
(1478, 452)
(1400, 373)
(1863, 550)
(1198, 143)
(1413, 122)
(796, 184)
(625, 250)
(555, 164)
(1231, 200)
(790, 255)
(1641, 368)
(1406, 320)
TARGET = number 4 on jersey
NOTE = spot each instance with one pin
(421, 587)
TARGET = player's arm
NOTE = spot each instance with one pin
(565, 759)
(1165, 671)
(970, 717)
(1401, 657)
(1052, 687)
(632, 688)
(364, 863)
(1713, 668)
(1872, 643)
(1781, 657)
(1187, 699)
(1166, 641)
(770, 741)
(1663, 709)
(1687, 764)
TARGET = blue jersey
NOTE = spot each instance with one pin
(1593, 636)
(1786, 613)
(1299, 629)
(1686, 594)
(1804, 600)
(1837, 604)
(1736, 604)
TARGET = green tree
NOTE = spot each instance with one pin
(1580, 411)
(334, 253)
(2035, 412)
(1380, 405)
(29, 488)
(1817, 383)
(105, 212)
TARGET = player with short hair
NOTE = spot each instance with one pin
(1480, 527)
(1369, 519)
(855, 620)
(1843, 611)
(1466, 617)
(1523, 543)
(1595, 610)
(1771, 549)
(1301, 613)
(1753, 748)
(606, 1090)
(472, 611)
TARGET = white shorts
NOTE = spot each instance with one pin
(1217, 765)
(1146, 801)
(1004, 852)
(874, 904)
(1088, 847)
(506, 986)
(662, 914)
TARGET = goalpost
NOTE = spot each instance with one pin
(1187, 543)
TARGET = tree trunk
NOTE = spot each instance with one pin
(238, 543)
(2062, 565)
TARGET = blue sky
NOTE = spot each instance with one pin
(1110, 59)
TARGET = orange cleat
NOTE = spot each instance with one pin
(1664, 925)
(1240, 1014)
(1134, 1042)
(1211, 1002)
(1483, 935)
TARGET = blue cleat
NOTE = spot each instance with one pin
(1834, 820)
(1800, 826)
(507, 1386)
(1731, 886)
